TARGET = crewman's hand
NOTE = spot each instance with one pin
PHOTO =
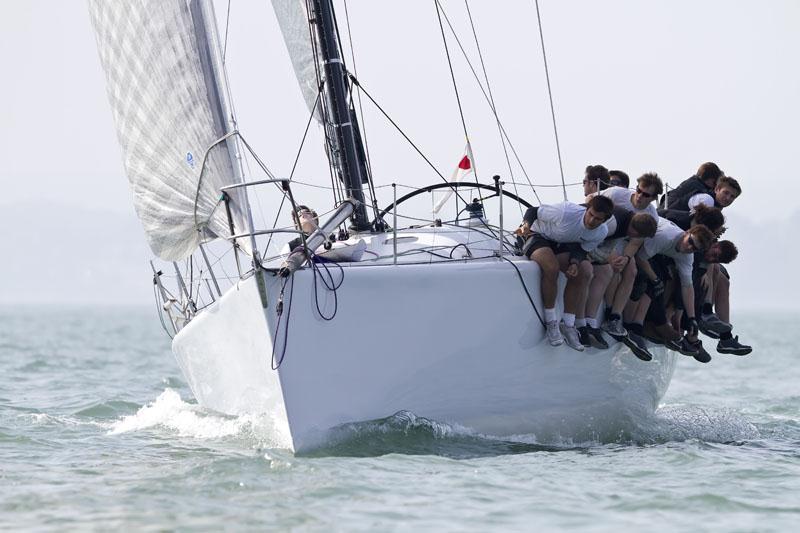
(524, 230)
(619, 263)
(572, 270)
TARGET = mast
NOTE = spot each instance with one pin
(348, 154)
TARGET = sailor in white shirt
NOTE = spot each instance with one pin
(648, 187)
(674, 243)
(558, 238)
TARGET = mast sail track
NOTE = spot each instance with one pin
(169, 105)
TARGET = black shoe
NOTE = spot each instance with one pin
(683, 346)
(712, 326)
(596, 338)
(583, 335)
(702, 356)
(733, 346)
(638, 346)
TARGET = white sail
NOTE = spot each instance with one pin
(169, 107)
(293, 21)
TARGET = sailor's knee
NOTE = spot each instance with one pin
(630, 270)
(585, 271)
(547, 263)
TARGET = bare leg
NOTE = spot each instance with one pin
(548, 264)
(611, 290)
(641, 309)
(600, 280)
(623, 292)
(575, 291)
(710, 280)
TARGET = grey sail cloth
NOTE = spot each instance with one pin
(168, 105)
(293, 21)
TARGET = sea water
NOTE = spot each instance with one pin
(98, 430)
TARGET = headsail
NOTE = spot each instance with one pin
(168, 101)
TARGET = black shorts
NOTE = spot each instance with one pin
(538, 240)
(657, 312)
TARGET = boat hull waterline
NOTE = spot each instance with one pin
(456, 342)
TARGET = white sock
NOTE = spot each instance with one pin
(580, 322)
(568, 319)
(550, 315)
(592, 322)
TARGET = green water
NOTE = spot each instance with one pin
(98, 430)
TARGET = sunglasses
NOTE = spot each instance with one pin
(645, 194)
(692, 245)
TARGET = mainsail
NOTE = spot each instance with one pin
(167, 94)
(293, 21)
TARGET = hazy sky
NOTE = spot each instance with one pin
(638, 85)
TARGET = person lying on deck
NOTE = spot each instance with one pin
(558, 239)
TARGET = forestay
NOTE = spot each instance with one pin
(166, 89)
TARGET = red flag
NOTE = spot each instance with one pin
(463, 169)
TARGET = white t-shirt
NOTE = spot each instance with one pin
(622, 198)
(702, 198)
(664, 242)
(563, 223)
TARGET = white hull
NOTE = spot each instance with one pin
(456, 342)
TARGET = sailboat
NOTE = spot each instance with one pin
(440, 318)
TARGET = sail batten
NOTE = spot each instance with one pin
(169, 108)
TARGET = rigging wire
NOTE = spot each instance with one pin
(491, 98)
(488, 101)
(360, 107)
(550, 95)
(338, 195)
(527, 292)
(406, 137)
(452, 74)
(227, 25)
(297, 158)
(455, 89)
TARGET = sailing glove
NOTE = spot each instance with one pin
(655, 288)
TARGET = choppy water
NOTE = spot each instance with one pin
(98, 430)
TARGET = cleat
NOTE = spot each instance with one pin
(702, 356)
(571, 337)
(596, 338)
(553, 334)
(733, 346)
(712, 326)
(615, 329)
(638, 346)
(583, 335)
